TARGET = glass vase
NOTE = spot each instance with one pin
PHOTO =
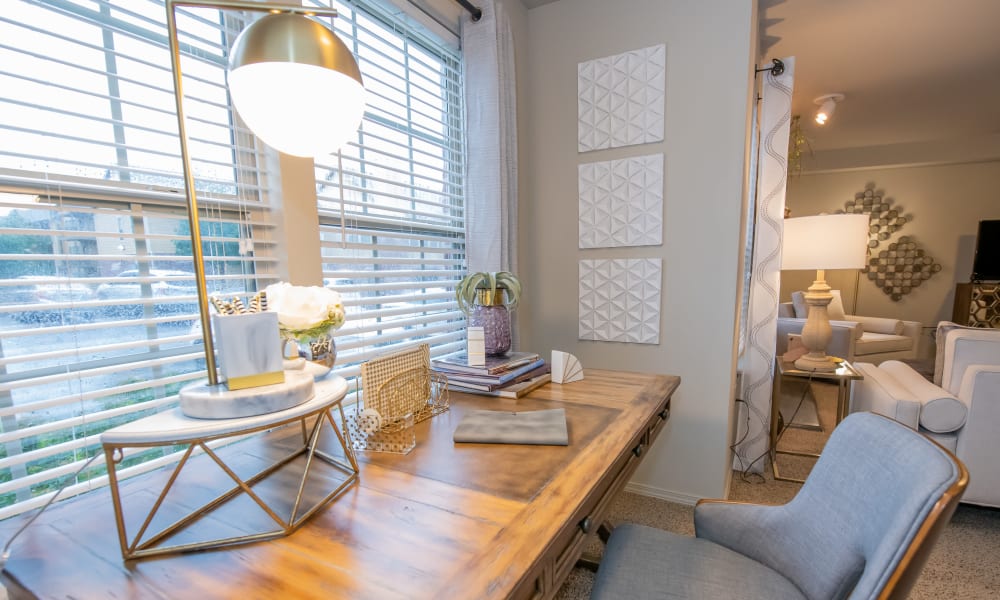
(317, 352)
(495, 321)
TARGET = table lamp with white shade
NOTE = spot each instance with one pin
(822, 242)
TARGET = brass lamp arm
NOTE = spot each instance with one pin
(189, 184)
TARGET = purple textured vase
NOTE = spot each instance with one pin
(495, 321)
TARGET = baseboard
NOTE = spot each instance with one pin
(655, 492)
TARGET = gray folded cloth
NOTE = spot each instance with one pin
(541, 427)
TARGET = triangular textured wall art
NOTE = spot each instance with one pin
(620, 300)
(621, 202)
(621, 99)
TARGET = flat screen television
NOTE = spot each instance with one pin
(986, 265)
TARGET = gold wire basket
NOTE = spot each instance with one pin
(400, 391)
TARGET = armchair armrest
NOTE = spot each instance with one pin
(786, 538)
(878, 324)
(940, 411)
(842, 344)
(738, 526)
(879, 392)
(913, 329)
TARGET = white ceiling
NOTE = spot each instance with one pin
(911, 70)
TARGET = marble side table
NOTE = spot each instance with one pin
(173, 428)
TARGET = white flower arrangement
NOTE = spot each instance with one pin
(305, 312)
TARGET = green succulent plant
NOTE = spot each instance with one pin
(500, 287)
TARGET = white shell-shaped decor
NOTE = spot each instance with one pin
(565, 367)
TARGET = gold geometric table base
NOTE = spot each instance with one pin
(314, 417)
(844, 375)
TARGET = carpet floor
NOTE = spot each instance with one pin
(964, 564)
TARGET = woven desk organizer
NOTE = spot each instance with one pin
(400, 390)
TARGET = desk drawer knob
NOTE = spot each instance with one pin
(637, 450)
(665, 414)
(586, 524)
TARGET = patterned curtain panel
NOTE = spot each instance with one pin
(757, 361)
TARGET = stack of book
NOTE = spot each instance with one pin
(511, 375)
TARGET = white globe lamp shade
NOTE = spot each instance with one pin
(283, 63)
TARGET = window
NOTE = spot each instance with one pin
(392, 212)
(98, 322)
(97, 299)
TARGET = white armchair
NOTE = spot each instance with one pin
(960, 409)
(855, 338)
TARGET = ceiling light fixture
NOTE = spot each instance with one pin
(827, 104)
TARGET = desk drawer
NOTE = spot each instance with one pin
(590, 518)
(661, 418)
(567, 547)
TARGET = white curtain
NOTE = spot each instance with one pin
(491, 117)
(757, 360)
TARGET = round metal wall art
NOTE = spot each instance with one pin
(901, 268)
(884, 218)
(904, 265)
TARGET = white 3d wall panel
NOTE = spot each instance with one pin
(621, 99)
(620, 300)
(621, 202)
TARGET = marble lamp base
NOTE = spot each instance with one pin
(203, 401)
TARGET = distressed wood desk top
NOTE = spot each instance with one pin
(445, 521)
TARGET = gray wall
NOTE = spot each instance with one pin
(709, 76)
(946, 202)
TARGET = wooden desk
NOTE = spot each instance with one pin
(445, 521)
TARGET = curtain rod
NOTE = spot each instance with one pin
(434, 17)
(475, 11)
(777, 68)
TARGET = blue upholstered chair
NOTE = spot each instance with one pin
(862, 526)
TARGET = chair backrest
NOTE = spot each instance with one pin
(958, 347)
(867, 516)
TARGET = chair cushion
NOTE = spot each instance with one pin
(958, 347)
(876, 343)
(835, 310)
(800, 306)
(642, 562)
(942, 330)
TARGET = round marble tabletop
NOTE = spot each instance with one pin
(174, 427)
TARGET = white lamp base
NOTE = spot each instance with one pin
(815, 363)
(203, 401)
(817, 333)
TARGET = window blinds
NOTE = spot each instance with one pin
(98, 321)
(392, 212)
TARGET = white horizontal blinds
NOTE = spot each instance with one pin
(98, 305)
(392, 217)
(103, 72)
